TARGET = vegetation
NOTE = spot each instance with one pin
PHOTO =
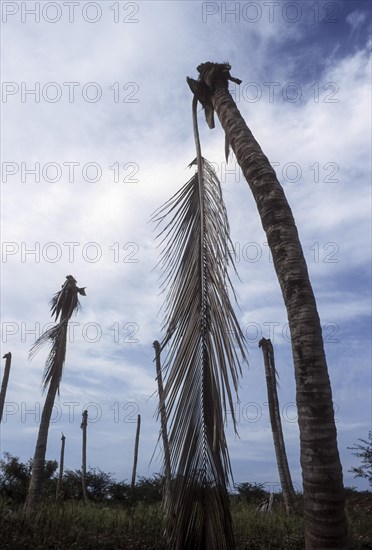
(112, 520)
(364, 451)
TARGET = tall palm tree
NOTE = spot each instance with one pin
(324, 515)
(4, 383)
(63, 305)
(206, 345)
(276, 424)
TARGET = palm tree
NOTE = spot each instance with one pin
(276, 424)
(61, 465)
(83, 426)
(206, 345)
(4, 384)
(163, 414)
(63, 305)
(324, 515)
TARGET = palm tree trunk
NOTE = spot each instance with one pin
(324, 515)
(135, 460)
(37, 473)
(61, 464)
(4, 384)
(163, 414)
(84, 455)
(276, 425)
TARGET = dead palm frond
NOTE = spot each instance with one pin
(203, 358)
(63, 304)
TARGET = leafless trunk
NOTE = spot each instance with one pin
(84, 455)
(136, 453)
(163, 414)
(4, 384)
(276, 425)
(61, 464)
(37, 474)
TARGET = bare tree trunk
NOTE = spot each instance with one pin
(84, 455)
(136, 454)
(4, 384)
(324, 514)
(163, 414)
(61, 464)
(276, 425)
(37, 473)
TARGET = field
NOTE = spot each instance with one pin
(73, 525)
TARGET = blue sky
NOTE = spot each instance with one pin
(107, 139)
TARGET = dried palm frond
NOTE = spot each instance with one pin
(63, 305)
(205, 345)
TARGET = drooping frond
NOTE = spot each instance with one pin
(63, 305)
(205, 345)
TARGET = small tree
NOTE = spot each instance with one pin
(365, 453)
(15, 477)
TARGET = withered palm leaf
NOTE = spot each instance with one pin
(202, 360)
(63, 304)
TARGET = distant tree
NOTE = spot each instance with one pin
(120, 492)
(150, 489)
(98, 484)
(364, 451)
(250, 492)
(15, 477)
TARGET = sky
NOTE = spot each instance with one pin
(97, 134)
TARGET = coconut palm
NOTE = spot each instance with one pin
(4, 384)
(324, 515)
(276, 424)
(202, 361)
(63, 305)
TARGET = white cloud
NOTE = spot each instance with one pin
(356, 19)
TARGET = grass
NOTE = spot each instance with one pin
(76, 526)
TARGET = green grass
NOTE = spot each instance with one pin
(266, 531)
(76, 526)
